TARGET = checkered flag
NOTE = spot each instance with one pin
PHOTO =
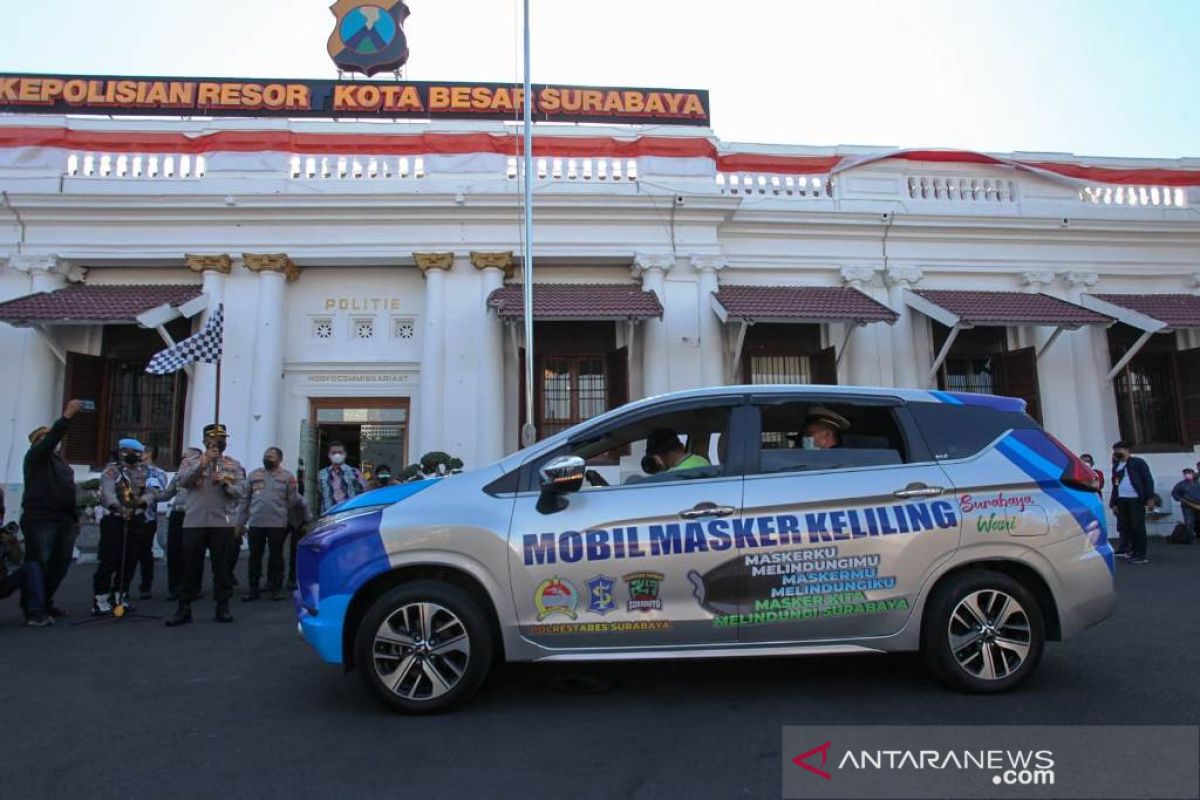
(204, 346)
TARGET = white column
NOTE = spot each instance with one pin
(433, 353)
(712, 352)
(494, 267)
(908, 373)
(39, 399)
(202, 391)
(1089, 379)
(274, 271)
(859, 360)
(652, 270)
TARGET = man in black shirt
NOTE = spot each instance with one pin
(48, 515)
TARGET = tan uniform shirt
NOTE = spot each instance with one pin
(123, 488)
(210, 502)
(272, 494)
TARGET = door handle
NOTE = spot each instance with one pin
(707, 510)
(919, 490)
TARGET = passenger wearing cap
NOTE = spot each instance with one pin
(822, 429)
(664, 449)
(125, 496)
(216, 487)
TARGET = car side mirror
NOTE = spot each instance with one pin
(559, 476)
(562, 475)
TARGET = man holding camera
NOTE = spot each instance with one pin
(216, 487)
(49, 518)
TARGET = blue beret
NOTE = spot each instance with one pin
(130, 444)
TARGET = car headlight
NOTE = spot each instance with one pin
(330, 524)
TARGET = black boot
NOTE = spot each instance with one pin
(252, 594)
(223, 613)
(182, 616)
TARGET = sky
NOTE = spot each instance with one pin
(1091, 77)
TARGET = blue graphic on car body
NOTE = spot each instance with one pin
(1041, 460)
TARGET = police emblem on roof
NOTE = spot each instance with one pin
(368, 36)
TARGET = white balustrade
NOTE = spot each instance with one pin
(807, 186)
(143, 166)
(956, 190)
(355, 168)
(1110, 195)
(586, 170)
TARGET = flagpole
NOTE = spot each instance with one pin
(217, 410)
(528, 431)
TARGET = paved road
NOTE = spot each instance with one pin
(133, 710)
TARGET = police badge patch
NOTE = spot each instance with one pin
(644, 591)
(602, 595)
(368, 36)
(555, 596)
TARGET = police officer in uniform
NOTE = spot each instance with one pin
(126, 497)
(216, 488)
(273, 494)
(174, 546)
(299, 516)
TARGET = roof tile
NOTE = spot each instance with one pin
(1177, 310)
(577, 301)
(95, 304)
(835, 303)
(1011, 308)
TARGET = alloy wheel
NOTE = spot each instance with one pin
(421, 651)
(990, 634)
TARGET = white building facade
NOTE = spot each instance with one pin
(370, 275)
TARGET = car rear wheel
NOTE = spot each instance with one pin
(983, 632)
(424, 647)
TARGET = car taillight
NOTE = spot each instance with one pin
(1077, 474)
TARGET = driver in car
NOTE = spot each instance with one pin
(822, 429)
(664, 449)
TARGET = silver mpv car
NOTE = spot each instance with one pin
(732, 521)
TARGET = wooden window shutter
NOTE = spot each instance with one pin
(1020, 379)
(1187, 379)
(618, 378)
(86, 379)
(824, 367)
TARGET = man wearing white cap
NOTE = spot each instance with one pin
(125, 497)
(823, 428)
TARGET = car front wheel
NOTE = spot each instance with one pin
(424, 647)
(983, 632)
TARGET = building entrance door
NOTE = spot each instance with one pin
(374, 431)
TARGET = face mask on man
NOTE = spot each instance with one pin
(337, 458)
(384, 477)
(270, 463)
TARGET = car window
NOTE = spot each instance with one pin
(807, 435)
(684, 443)
(960, 431)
